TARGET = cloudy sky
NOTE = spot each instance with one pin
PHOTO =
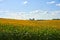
(25, 9)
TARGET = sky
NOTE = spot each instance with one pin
(25, 9)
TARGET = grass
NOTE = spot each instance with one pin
(29, 30)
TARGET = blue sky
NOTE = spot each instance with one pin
(25, 9)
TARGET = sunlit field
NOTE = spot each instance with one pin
(11, 29)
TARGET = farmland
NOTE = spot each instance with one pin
(11, 29)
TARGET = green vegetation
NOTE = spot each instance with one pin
(20, 32)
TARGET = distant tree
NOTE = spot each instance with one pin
(32, 19)
(29, 18)
(55, 19)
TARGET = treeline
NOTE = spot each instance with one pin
(42, 19)
(55, 19)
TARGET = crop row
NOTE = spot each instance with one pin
(20, 32)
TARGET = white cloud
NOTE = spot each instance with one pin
(25, 2)
(51, 2)
(37, 14)
(58, 4)
(55, 14)
(3, 11)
